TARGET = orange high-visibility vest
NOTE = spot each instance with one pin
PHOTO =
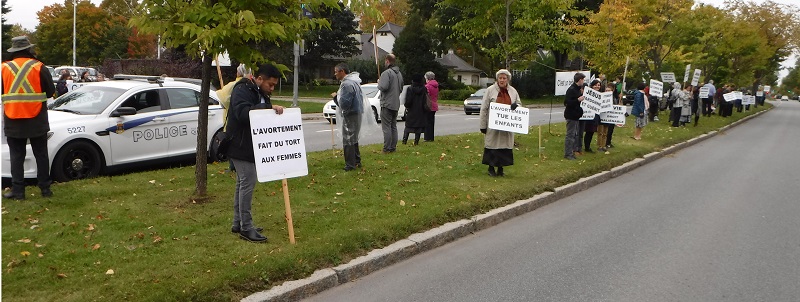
(22, 88)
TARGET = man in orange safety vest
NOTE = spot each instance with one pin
(27, 85)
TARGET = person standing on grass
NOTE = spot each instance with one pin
(391, 85)
(573, 113)
(639, 110)
(498, 145)
(349, 108)
(712, 91)
(416, 118)
(433, 94)
(590, 126)
(602, 129)
(248, 94)
(27, 85)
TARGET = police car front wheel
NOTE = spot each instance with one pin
(76, 160)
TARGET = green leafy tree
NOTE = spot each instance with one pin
(6, 30)
(336, 41)
(414, 51)
(210, 27)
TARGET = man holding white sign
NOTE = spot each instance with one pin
(708, 97)
(248, 94)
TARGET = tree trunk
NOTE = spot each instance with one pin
(201, 167)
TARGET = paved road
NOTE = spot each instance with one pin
(719, 221)
(449, 120)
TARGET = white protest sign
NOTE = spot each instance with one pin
(592, 103)
(730, 96)
(278, 144)
(656, 88)
(748, 100)
(704, 92)
(696, 77)
(502, 118)
(759, 93)
(606, 101)
(739, 95)
(767, 88)
(686, 74)
(615, 116)
(565, 79)
(668, 77)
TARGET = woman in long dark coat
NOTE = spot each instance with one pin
(416, 96)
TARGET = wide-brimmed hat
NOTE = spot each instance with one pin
(20, 43)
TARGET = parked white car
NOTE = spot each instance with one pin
(112, 124)
(372, 93)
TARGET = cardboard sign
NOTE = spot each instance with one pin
(592, 104)
(696, 77)
(686, 74)
(704, 92)
(278, 144)
(606, 101)
(759, 93)
(615, 116)
(656, 88)
(730, 96)
(767, 88)
(668, 77)
(502, 118)
(748, 100)
(565, 79)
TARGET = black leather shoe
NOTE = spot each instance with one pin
(491, 172)
(12, 195)
(253, 236)
(236, 230)
(47, 192)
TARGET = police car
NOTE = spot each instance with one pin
(128, 121)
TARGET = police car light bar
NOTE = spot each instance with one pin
(151, 79)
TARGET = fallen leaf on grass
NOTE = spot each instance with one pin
(91, 227)
(95, 246)
(402, 202)
(339, 193)
(24, 240)
(25, 253)
(110, 272)
(61, 275)
(41, 255)
(38, 245)
(157, 239)
(152, 181)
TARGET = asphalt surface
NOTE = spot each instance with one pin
(449, 120)
(718, 221)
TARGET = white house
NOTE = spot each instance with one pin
(462, 71)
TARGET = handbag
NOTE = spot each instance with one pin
(223, 144)
(428, 104)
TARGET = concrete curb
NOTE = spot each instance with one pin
(418, 243)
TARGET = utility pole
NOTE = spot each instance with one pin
(74, 25)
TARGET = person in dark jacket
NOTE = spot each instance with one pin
(61, 85)
(417, 116)
(639, 110)
(248, 94)
(27, 85)
(573, 113)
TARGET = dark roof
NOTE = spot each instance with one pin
(452, 61)
(392, 28)
(368, 49)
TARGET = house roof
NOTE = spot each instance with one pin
(392, 28)
(453, 61)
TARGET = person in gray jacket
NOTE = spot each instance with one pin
(349, 110)
(390, 84)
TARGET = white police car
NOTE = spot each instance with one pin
(371, 92)
(123, 122)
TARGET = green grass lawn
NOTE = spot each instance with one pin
(140, 237)
(305, 107)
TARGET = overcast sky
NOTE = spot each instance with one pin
(24, 12)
